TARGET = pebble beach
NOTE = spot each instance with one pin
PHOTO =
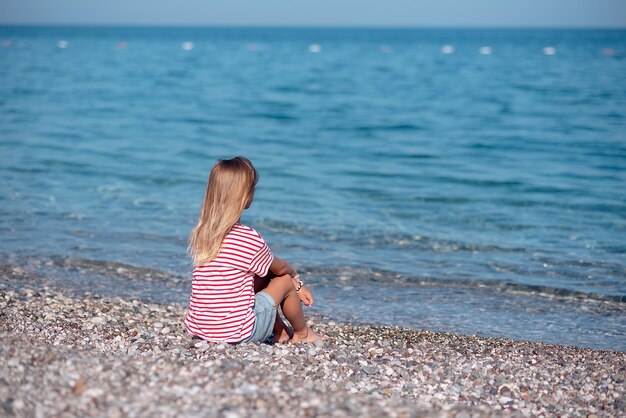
(70, 354)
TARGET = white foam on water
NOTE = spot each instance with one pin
(549, 50)
(485, 50)
(110, 188)
(315, 48)
(63, 44)
(187, 46)
(447, 49)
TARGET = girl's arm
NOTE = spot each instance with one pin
(280, 267)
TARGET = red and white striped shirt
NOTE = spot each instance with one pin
(221, 307)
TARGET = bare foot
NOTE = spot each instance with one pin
(307, 336)
(284, 335)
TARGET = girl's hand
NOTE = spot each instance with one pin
(306, 296)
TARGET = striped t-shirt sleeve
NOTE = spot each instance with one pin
(262, 261)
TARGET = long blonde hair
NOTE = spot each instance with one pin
(229, 191)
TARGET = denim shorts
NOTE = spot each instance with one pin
(265, 313)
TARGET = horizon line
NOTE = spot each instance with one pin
(302, 26)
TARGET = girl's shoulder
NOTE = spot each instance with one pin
(241, 229)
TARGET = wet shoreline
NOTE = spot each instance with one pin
(345, 296)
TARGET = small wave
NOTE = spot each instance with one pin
(373, 174)
(481, 145)
(72, 165)
(288, 89)
(385, 240)
(186, 120)
(26, 91)
(443, 200)
(507, 184)
(401, 155)
(420, 242)
(65, 135)
(400, 127)
(547, 190)
(111, 188)
(112, 268)
(275, 104)
(617, 208)
(158, 181)
(283, 117)
(356, 275)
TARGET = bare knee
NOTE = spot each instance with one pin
(286, 283)
(280, 287)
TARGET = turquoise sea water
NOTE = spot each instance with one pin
(458, 192)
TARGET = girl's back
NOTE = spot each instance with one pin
(221, 307)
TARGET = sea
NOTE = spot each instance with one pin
(457, 180)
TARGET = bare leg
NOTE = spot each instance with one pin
(284, 294)
(282, 332)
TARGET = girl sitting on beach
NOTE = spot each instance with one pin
(233, 262)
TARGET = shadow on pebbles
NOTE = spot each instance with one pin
(73, 355)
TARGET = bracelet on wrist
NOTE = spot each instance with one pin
(300, 284)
